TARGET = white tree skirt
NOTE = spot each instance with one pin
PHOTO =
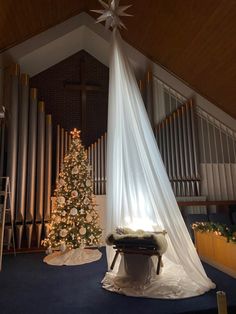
(73, 257)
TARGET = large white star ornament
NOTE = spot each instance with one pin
(111, 14)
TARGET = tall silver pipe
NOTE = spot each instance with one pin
(181, 151)
(105, 161)
(2, 145)
(66, 143)
(92, 166)
(12, 138)
(161, 139)
(40, 170)
(149, 97)
(172, 148)
(22, 155)
(99, 165)
(189, 141)
(48, 168)
(158, 135)
(58, 152)
(177, 153)
(168, 147)
(95, 156)
(195, 147)
(164, 144)
(31, 166)
(102, 165)
(62, 148)
(69, 141)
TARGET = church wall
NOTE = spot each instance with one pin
(80, 32)
(65, 104)
(1, 87)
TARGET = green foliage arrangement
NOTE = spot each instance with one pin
(217, 228)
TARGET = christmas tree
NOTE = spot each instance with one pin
(74, 221)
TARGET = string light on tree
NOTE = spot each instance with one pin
(74, 222)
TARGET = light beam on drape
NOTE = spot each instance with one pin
(139, 194)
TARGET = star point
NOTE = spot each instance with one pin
(111, 13)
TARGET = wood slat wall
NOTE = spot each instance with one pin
(194, 39)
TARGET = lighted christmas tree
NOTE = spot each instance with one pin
(74, 221)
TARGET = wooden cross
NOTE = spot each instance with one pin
(83, 87)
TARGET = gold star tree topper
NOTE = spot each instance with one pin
(75, 133)
(111, 13)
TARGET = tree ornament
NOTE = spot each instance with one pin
(82, 231)
(63, 233)
(73, 211)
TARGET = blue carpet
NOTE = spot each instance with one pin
(27, 286)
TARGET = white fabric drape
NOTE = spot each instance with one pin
(139, 194)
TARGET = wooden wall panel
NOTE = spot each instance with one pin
(193, 39)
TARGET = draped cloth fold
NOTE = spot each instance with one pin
(139, 194)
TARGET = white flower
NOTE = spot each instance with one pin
(63, 233)
(62, 182)
(57, 219)
(73, 211)
(86, 201)
(75, 170)
(88, 183)
(82, 231)
(63, 247)
(81, 211)
(74, 193)
(63, 213)
(61, 200)
(89, 218)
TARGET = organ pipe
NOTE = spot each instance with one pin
(62, 148)
(22, 151)
(105, 159)
(40, 170)
(48, 167)
(22, 156)
(66, 143)
(149, 97)
(12, 140)
(58, 152)
(2, 142)
(31, 165)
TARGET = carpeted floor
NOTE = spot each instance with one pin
(27, 285)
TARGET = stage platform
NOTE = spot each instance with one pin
(27, 285)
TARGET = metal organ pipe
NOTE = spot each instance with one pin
(58, 152)
(40, 170)
(12, 141)
(22, 156)
(62, 148)
(48, 170)
(31, 165)
(66, 143)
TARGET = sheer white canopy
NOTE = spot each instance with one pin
(139, 194)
